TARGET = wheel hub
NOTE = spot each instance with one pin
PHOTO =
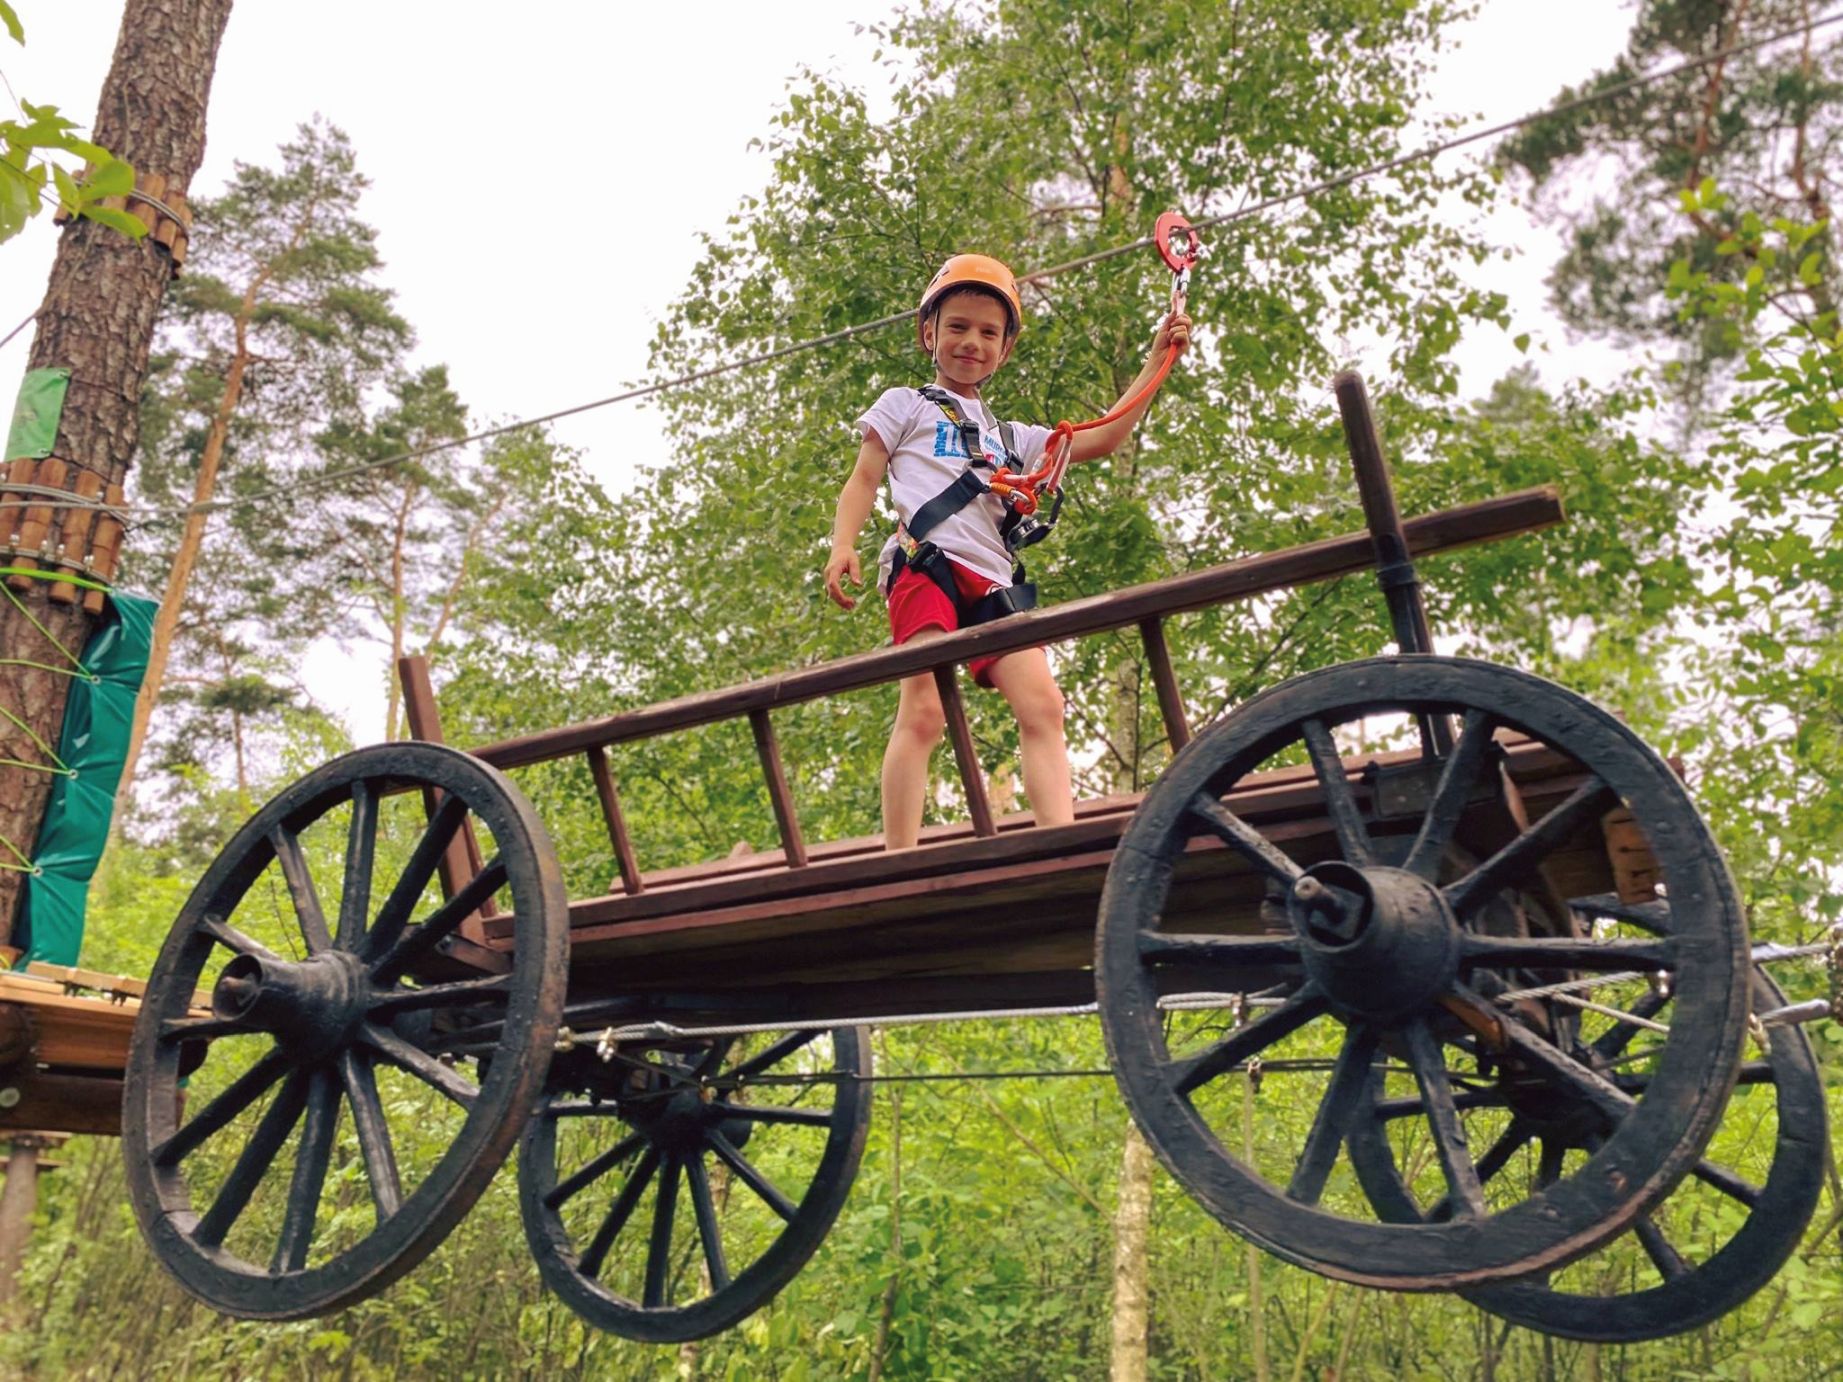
(312, 1007)
(1381, 942)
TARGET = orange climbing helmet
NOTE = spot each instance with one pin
(977, 271)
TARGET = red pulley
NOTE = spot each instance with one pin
(1177, 242)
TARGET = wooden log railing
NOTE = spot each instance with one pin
(1146, 607)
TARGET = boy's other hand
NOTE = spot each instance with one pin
(1175, 331)
(842, 564)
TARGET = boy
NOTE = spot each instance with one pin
(967, 323)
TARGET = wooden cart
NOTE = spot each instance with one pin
(1469, 917)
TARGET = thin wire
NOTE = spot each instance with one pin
(159, 516)
(30, 318)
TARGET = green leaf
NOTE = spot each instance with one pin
(114, 178)
(11, 20)
(116, 220)
(70, 197)
(1521, 342)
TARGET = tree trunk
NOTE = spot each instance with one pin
(1131, 1232)
(18, 1198)
(98, 320)
(191, 542)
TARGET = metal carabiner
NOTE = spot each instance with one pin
(1179, 246)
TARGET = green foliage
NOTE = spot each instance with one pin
(26, 147)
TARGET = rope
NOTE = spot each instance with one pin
(30, 318)
(167, 516)
(609, 1037)
(24, 865)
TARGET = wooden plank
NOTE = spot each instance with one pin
(617, 823)
(966, 755)
(786, 818)
(1486, 521)
(50, 1102)
(1170, 699)
(1262, 797)
(461, 861)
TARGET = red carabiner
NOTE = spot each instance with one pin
(1170, 231)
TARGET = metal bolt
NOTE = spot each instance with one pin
(1308, 889)
(9, 1097)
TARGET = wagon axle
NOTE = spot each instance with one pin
(1382, 943)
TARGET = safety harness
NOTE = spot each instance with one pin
(1178, 245)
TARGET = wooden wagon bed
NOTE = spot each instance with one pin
(990, 912)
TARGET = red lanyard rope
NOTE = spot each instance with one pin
(1178, 245)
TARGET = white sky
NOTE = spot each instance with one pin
(538, 171)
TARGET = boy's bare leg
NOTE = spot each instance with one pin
(920, 722)
(1027, 682)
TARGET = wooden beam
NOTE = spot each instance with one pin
(972, 776)
(461, 861)
(786, 819)
(1170, 700)
(616, 822)
(1486, 521)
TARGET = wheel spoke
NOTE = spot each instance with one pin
(1349, 1080)
(312, 1157)
(1232, 1050)
(752, 1178)
(712, 1059)
(1550, 1164)
(424, 859)
(1567, 952)
(386, 1006)
(618, 1214)
(775, 1113)
(419, 1063)
(1229, 952)
(1244, 839)
(287, 847)
(253, 1161)
(1496, 1158)
(361, 851)
(373, 1130)
(201, 1028)
(1727, 1182)
(1340, 801)
(1415, 1108)
(594, 1171)
(1457, 780)
(709, 1231)
(234, 940)
(771, 1056)
(1516, 859)
(415, 942)
(243, 1091)
(659, 1248)
(1464, 1191)
(1560, 1067)
(1668, 1261)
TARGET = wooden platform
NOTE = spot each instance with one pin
(964, 922)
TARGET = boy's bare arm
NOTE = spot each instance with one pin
(1104, 441)
(855, 502)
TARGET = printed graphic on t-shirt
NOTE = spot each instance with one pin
(947, 442)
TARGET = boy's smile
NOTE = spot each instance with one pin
(967, 340)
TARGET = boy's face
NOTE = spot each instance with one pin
(967, 338)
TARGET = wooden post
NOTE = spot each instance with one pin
(617, 823)
(462, 859)
(18, 1198)
(1170, 700)
(785, 818)
(972, 777)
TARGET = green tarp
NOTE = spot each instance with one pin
(97, 720)
(35, 416)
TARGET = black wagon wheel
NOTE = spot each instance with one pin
(673, 1188)
(300, 1148)
(1720, 1235)
(1389, 973)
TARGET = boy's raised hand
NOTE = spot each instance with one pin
(1173, 331)
(843, 564)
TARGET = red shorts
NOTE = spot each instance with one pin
(917, 603)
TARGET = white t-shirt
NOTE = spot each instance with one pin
(926, 457)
